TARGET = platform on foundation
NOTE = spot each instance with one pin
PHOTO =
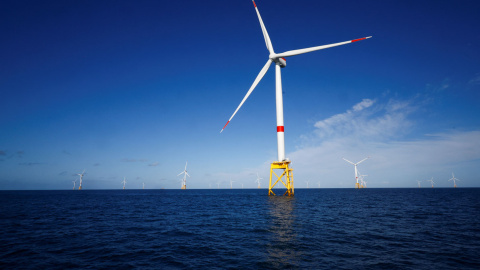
(286, 177)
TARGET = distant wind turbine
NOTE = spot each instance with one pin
(143, 185)
(231, 182)
(362, 180)
(431, 181)
(307, 183)
(357, 185)
(185, 174)
(81, 178)
(258, 180)
(75, 181)
(453, 179)
(419, 183)
(124, 182)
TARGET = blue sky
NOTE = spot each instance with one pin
(136, 88)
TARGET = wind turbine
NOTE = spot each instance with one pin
(143, 185)
(307, 183)
(258, 180)
(357, 185)
(280, 62)
(75, 181)
(419, 184)
(81, 178)
(231, 182)
(185, 174)
(453, 178)
(431, 181)
(124, 182)
(362, 180)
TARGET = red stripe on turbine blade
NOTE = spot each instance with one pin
(254, 3)
(280, 129)
(355, 40)
(225, 125)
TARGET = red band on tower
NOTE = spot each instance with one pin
(280, 129)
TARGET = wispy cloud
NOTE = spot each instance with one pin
(373, 128)
(475, 80)
(366, 120)
(155, 164)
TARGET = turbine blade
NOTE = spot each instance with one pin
(179, 173)
(311, 49)
(362, 160)
(187, 174)
(257, 80)
(349, 161)
(264, 30)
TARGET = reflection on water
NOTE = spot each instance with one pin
(282, 248)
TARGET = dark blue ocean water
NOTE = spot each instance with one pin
(241, 229)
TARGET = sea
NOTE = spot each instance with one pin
(418, 228)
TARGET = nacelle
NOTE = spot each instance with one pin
(281, 61)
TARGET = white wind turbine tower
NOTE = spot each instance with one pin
(307, 183)
(185, 174)
(419, 184)
(75, 181)
(81, 178)
(431, 181)
(280, 62)
(124, 182)
(231, 182)
(258, 180)
(453, 179)
(357, 175)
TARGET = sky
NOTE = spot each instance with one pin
(136, 89)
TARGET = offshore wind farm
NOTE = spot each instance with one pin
(348, 101)
(94, 92)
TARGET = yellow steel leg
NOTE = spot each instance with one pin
(287, 172)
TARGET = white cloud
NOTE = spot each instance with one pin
(365, 103)
(366, 120)
(376, 130)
